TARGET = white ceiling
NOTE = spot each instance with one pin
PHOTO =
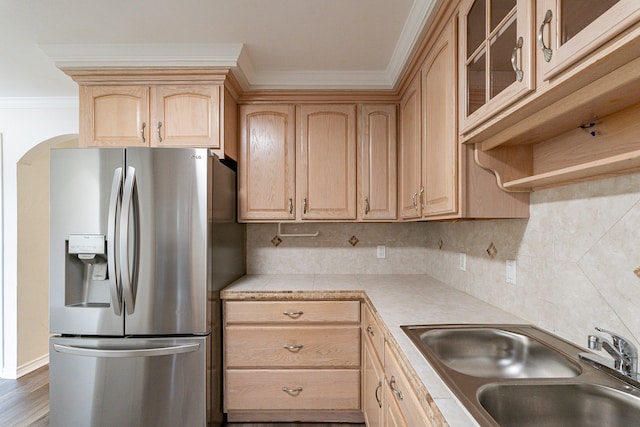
(271, 44)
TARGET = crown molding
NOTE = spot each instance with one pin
(419, 15)
(143, 55)
(235, 57)
(92, 56)
(46, 102)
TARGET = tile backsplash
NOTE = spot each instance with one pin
(575, 256)
(331, 251)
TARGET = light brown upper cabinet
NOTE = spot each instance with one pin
(578, 122)
(186, 115)
(267, 163)
(496, 57)
(439, 131)
(569, 30)
(180, 115)
(439, 178)
(115, 116)
(410, 179)
(326, 160)
(377, 162)
(158, 107)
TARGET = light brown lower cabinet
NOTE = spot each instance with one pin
(372, 374)
(292, 361)
(401, 405)
(387, 397)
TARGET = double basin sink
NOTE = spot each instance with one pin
(520, 376)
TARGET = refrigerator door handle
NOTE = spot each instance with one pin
(141, 352)
(114, 206)
(127, 198)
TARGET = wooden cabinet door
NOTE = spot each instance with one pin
(392, 414)
(496, 57)
(372, 386)
(114, 116)
(326, 184)
(377, 163)
(185, 115)
(410, 152)
(266, 166)
(439, 132)
(569, 30)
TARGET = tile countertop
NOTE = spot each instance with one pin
(398, 300)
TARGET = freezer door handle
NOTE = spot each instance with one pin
(114, 270)
(125, 268)
(138, 352)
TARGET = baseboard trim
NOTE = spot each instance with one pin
(29, 367)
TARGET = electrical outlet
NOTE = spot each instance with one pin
(463, 262)
(381, 251)
(511, 271)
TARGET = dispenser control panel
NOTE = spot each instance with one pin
(86, 243)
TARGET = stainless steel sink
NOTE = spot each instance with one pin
(541, 405)
(519, 375)
(495, 353)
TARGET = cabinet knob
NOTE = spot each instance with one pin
(548, 53)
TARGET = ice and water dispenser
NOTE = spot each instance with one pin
(86, 277)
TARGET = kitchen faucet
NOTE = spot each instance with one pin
(624, 353)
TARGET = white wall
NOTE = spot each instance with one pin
(575, 256)
(23, 127)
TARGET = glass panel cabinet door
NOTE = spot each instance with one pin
(569, 30)
(496, 49)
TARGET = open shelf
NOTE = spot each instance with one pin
(611, 166)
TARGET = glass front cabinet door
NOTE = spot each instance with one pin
(570, 30)
(496, 57)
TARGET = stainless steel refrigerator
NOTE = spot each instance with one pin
(142, 241)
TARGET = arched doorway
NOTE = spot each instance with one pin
(33, 253)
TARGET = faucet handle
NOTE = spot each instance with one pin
(621, 343)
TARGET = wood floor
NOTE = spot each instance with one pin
(25, 402)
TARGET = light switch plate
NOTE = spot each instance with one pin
(463, 262)
(381, 251)
(511, 271)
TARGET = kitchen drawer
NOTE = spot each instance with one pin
(373, 332)
(404, 394)
(292, 389)
(292, 346)
(292, 311)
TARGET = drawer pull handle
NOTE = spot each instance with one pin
(395, 391)
(293, 314)
(370, 330)
(296, 390)
(292, 348)
(377, 398)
